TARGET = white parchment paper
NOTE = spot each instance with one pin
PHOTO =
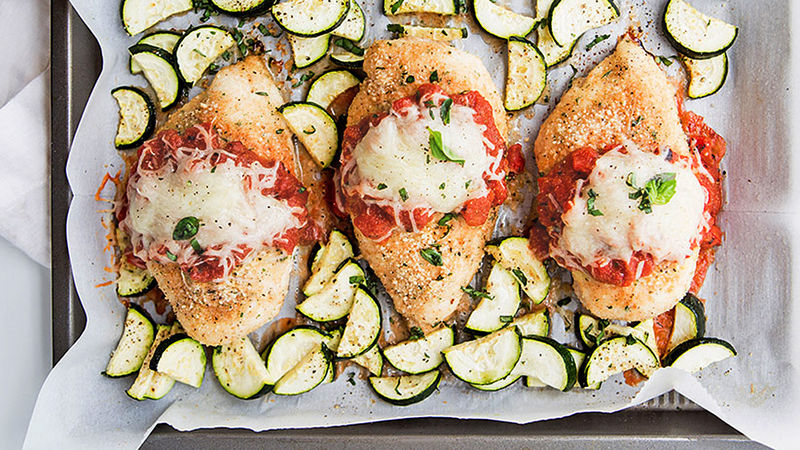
(752, 290)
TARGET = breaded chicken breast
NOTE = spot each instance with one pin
(422, 292)
(626, 98)
(241, 102)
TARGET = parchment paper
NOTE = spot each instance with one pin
(752, 290)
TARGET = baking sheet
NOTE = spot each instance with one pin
(82, 405)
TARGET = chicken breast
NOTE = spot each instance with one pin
(215, 313)
(423, 293)
(626, 98)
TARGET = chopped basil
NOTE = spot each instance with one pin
(434, 76)
(410, 79)
(171, 256)
(196, 246)
(597, 39)
(349, 46)
(394, 28)
(664, 60)
(656, 191)
(438, 150)
(262, 93)
(630, 340)
(446, 218)
(186, 228)
(226, 55)
(381, 186)
(475, 293)
(590, 204)
(565, 301)
(445, 110)
(303, 78)
(403, 193)
(279, 131)
(199, 52)
(415, 333)
(432, 255)
(357, 279)
(636, 121)
(264, 30)
(506, 319)
(301, 189)
(520, 276)
(213, 169)
(396, 6)
(466, 185)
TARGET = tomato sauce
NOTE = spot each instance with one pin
(157, 152)
(377, 222)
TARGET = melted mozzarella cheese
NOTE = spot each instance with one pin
(228, 212)
(396, 153)
(667, 233)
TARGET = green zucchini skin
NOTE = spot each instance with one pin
(687, 51)
(685, 346)
(151, 118)
(412, 399)
(256, 10)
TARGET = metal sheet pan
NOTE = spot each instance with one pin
(669, 421)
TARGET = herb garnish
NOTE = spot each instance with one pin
(311, 131)
(403, 193)
(597, 39)
(446, 218)
(630, 340)
(520, 276)
(432, 255)
(394, 28)
(590, 204)
(656, 191)
(506, 319)
(350, 378)
(196, 246)
(415, 333)
(357, 279)
(262, 93)
(664, 60)
(636, 121)
(476, 293)
(434, 76)
(410, 79)
(186, 228)
(303, 78)
(381, 186)
(396, 6)
(171, 256)
(445, 110)
(349, 46)
(438, 150)
(199, 52)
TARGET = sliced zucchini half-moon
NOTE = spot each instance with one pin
(548, 361)
(240, 370)
(590, 330)
(330, 85)
(165, 40)
(310, 18)
(406, 389)
(442, 7)
(138, 334)
(695, 34)
(689, 322)
(416, 356)
(288, 349)
(198, 48)
(347, 59)
(515, 255)
(553, 53)
(501, 305)
(307, 51)
(371, 360)
(137, 120)
(501, 22)
(499, 384)
(580, 357)
(433, 33)
(150, 384)
(159, 68)
(363, 326)
(706, 76)
(527, 74)
(310, 372)
(533, 324)
(314, 128)
(696, 354)
(335, 299)
(569, 19)
(617, 355)
(485, 360)
(139, 15)
(326, 261)
(354, 25)
(181, 358)
(242, 8)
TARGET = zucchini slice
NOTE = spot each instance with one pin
(309, 373)
(371, 360)
(533, 324)
(548, 361)
(706, 76)
(164, 40)
(330, 85)
(139, 15)
(133, 281)
(240, 370)
(327, 260)
(420, 355)
(690, 321)
(501, 22)
(696, 354)
(580, 357)
(499, 384)
(695, 34)
(332, 343)
(497, 310)
(515, 255)
(433, 33)
(289, 349)
(347, 59)
(443, 7)
(138, 334)
(181, 358)
(354, 25)
(542, 12)
(569, 19)
(158, 67)
(242, 8)
(590, 330)
(150, 384)
(198, 48)
(617, 355)
(310, 18)
(531, 382)
(407, 389)
(527, 74)
(553, 53)
(137, 120)
(363, 326)
(485, 360)
(307, 51)
(335, 299)
(315, 129)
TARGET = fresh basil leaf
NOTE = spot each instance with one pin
(434, 76)
(415, 333)
(171, 256)
(186, 228)
(431, 255)
(445, 110)
(196, 246)
(349, 45)
(590, 204)
(438, 149)
(597, 39)
(520, 276)
(446, 218)
(396, 6)
(381, 186)
(475, 293)
(403, 194)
